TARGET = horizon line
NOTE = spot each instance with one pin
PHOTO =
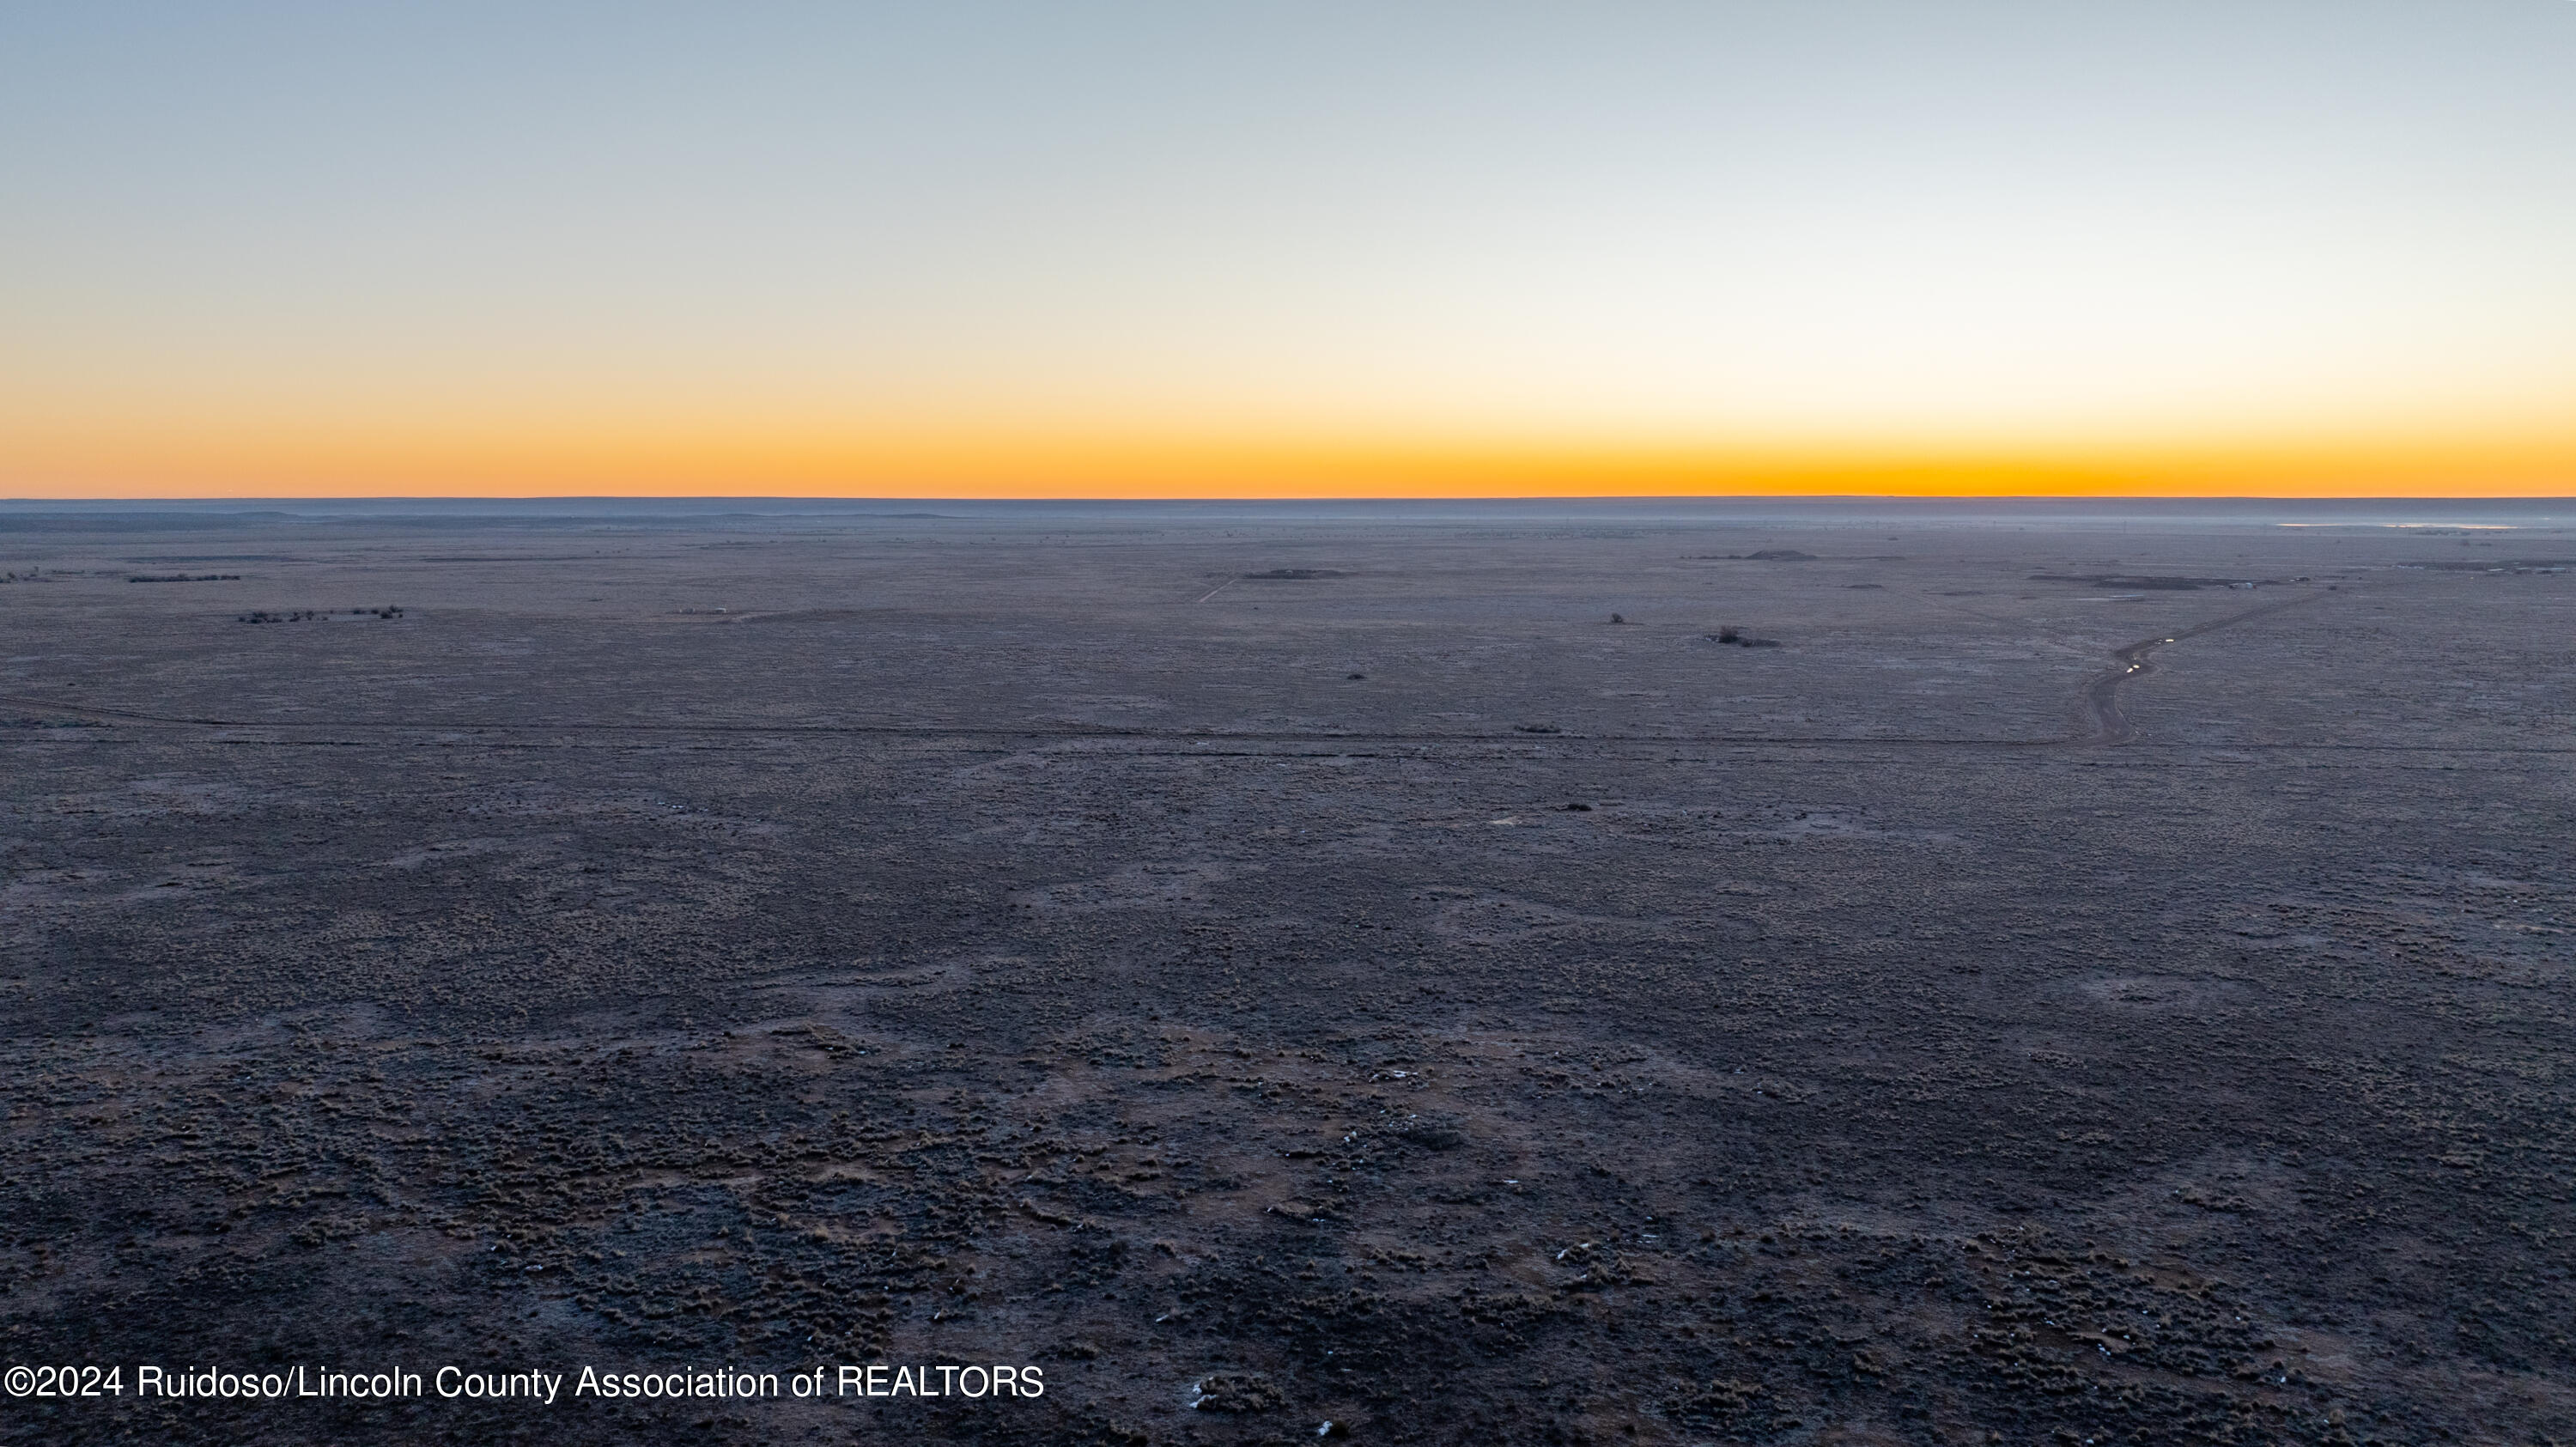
(1453, 499)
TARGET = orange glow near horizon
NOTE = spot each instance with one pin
(1008, 465)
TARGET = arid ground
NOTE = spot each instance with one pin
(1271, 968)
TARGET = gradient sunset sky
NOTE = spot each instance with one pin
(1216, 249)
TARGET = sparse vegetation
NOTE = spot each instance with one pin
(315, 615)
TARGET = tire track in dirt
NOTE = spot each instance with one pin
(2102, 695)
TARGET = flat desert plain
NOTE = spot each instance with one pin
(1933, 974)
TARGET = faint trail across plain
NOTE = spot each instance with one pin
(2102, 696)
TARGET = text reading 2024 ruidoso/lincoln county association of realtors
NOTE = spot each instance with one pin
(876, 1379)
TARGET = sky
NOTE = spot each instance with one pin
(1199, 248)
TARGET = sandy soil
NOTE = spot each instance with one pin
(1268, 971)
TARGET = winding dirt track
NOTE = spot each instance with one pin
(2102, 695)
